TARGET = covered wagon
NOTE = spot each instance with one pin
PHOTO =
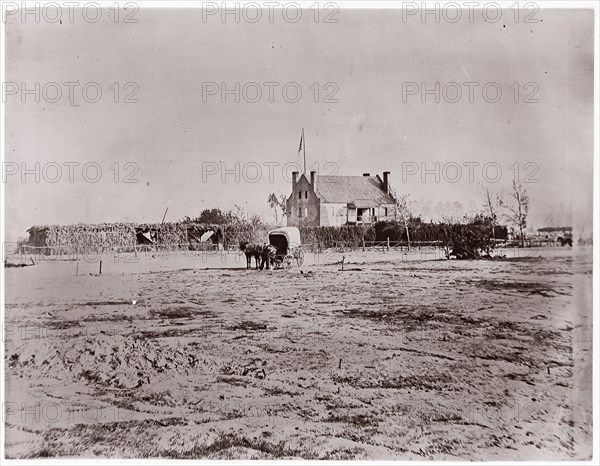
(286, 241)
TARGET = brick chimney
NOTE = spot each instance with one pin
(366, 174)
(294, 181)
(386, 182)
(313, 179)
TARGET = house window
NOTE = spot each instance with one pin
(385, 211)
(306, 211)
(300, 212)
(299, 194)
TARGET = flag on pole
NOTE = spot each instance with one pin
(302, 148)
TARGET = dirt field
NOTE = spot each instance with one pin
(182, 357)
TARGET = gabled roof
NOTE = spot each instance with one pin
(363, 204)
(347, 189)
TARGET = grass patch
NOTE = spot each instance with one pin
(248, 325)
(180, 312)
(277, 391)
(105, 303)
(413, 382)
(228, 441)
(358, 420)
(235, 381)
(530, 288)
(170, 332)
(116, 435)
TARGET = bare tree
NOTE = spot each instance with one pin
(492, 205)
(278, 205)
(516, 211)
(240, 212)
(402, 210)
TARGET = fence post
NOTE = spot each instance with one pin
(388, 244)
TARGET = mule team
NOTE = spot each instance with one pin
(265, 253)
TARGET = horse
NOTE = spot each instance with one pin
(251, 250)
(267, 256)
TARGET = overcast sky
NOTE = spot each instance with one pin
(174, 129)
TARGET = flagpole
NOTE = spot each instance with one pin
(304, 150)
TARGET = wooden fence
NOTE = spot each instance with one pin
(425, 248)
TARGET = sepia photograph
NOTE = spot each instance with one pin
(298, 232)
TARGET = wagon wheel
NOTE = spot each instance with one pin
(300, 257)
(288, 262)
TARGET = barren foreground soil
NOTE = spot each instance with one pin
(388, 359)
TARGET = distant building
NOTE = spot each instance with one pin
(328, 200)
(562, 235)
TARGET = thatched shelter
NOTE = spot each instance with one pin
(80, 238)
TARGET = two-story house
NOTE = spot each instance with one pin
(327, 200)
